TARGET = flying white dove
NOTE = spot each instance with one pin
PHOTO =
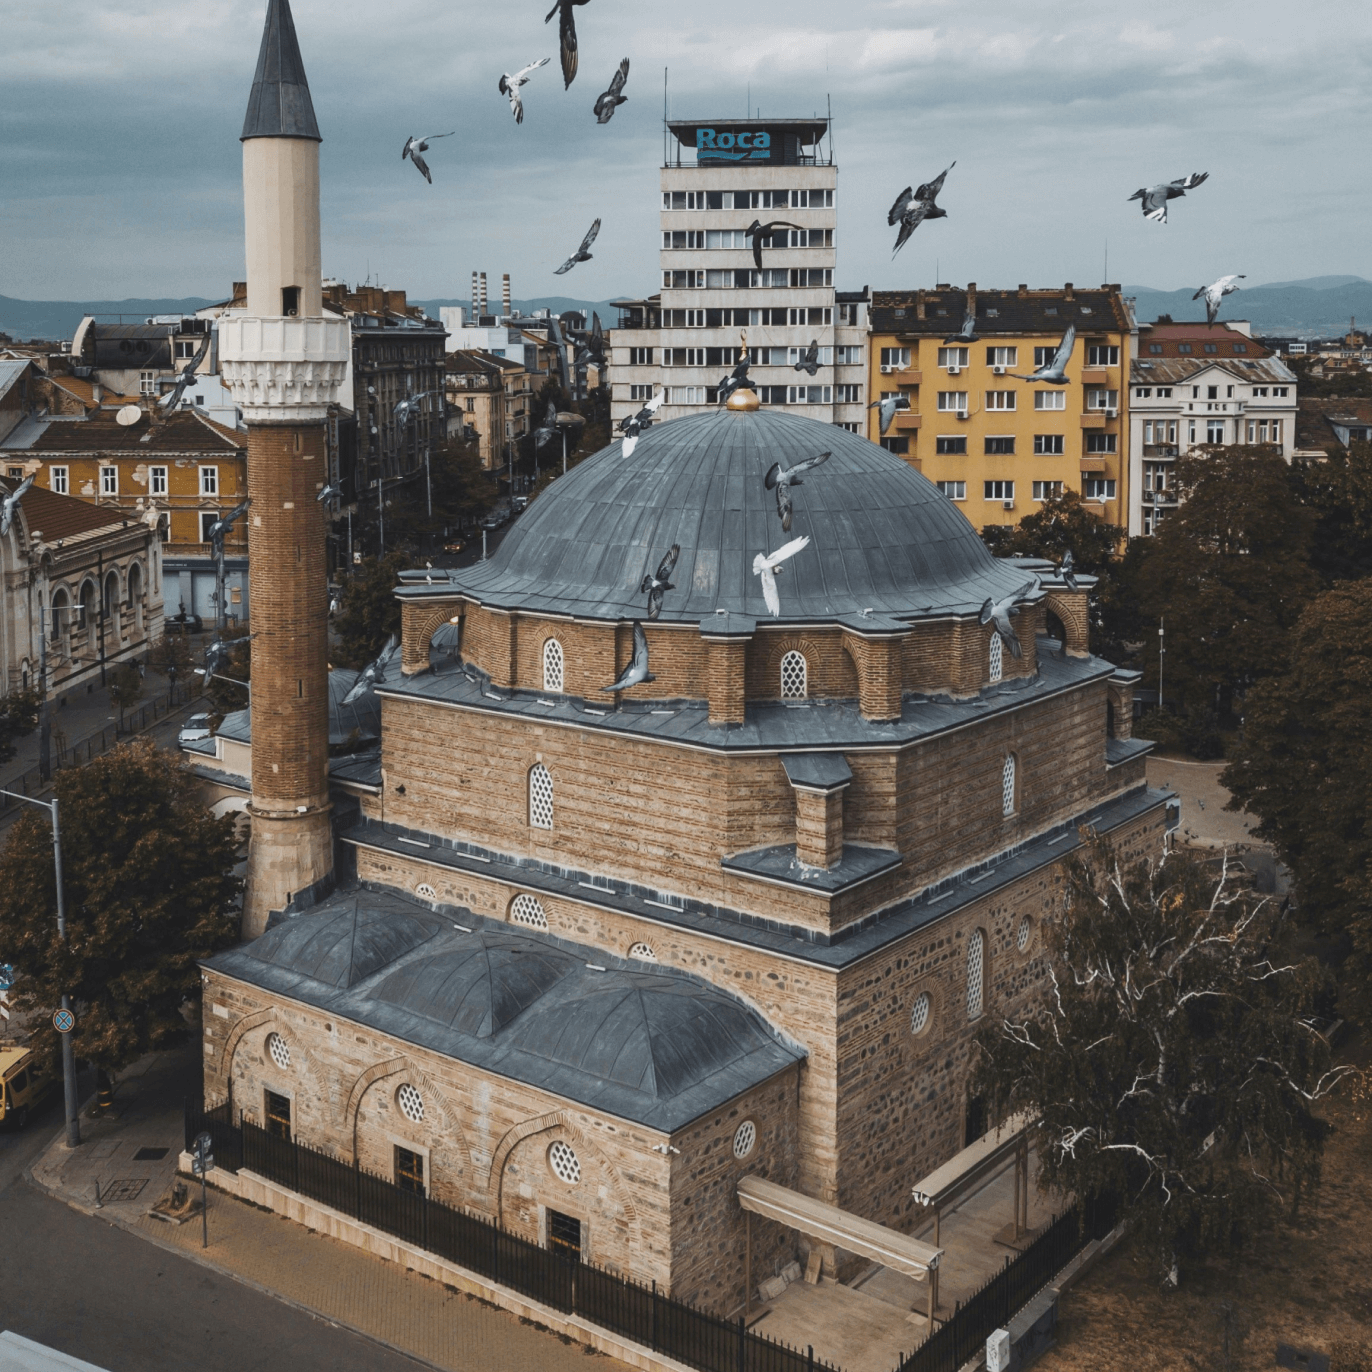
(768, 567)
(11, 504)
(886, 409)
(633, 425)
(1000, 612)
(415, 146)
(509, 85)
(1054, 372)
(1215, 292)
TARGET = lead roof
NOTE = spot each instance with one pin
(279, 105)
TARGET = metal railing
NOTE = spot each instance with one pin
(627, 1308)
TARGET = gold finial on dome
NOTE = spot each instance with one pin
(743, 399)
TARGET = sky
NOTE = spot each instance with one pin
(120, 167)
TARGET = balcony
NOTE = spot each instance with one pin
(1095, 376)
(1165, 450)
(907, 421)
(1094, 419)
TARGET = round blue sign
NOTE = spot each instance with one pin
(64, 1021)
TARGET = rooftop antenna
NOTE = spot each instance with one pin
(664, 116)
(749, 113)
(1106, 277)
(829, 105)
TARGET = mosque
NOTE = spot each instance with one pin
(591, 957)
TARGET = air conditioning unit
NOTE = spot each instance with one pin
(962, 414)
(886, 369)
(953, 369)
(998, 371)
(1008, 505)
(1112, 414)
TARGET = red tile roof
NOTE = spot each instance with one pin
(64, 516)
(182, 432)
(1169, 338)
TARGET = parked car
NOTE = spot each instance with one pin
(520, 503)
(185, 624)
(24, 1081)
(194, 729)
(456, 546)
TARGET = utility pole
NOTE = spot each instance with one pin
(100, 579)
(1161, 651)
(44, 722)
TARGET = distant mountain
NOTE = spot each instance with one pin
(1320, 306)
(54, 320)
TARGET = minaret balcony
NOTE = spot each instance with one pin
(284, 368)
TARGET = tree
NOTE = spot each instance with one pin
(149, 891)
(458, 487)
(126, 686)
(1342, 385)
(1338, 490)
(225, 693)
(1171, 1064)
(1305, 769)
(370, 613)
(18, 717)
(171, 655)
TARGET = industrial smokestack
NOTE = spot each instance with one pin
(505, 295)
(483, 293)
(476, 300)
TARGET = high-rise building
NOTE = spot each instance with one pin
(718, 178)
(284, 360)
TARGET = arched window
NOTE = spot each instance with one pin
(794, 676)
(643, 952)
(553, 662)
(87, 609)
(136, 595)
(997, 657)
(525, 909)
(1007, 785)
(540, 797)
(110, 603)
(976, 972)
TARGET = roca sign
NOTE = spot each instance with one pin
(735, 145)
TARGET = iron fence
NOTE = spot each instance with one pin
(630, 1309)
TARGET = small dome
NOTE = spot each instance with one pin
(882, 536)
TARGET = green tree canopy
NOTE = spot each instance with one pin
(458, 486)
(370, 613)
(149, 890)
(1171, 1063)
(1338, 490)
(18, 717)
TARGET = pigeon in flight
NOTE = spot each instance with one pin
(186, 375)
(1155, 198)
(809, 359)
(1000, 612)
(738, 378)
(221, 526)
(769, 566)
(374, 673)
(582, 254)
(912, 209)
(760, 233)
(330, 492)
(1067, 570)
(968, 332)
(566, 30)
(415, 146)
(656, 585)
(637, 671)
(1054, 373)
(406, 409)
(886, 409)
(509, 85)
(10, 504)
(216, 656)
(611, 100)
(633, 425)
(783, 478)
(547, 431)
(1215, 292)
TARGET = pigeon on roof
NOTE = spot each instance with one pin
(633, 425)
(769, 565)
(886, 409)
(657, 584)
(566, 30)
(809, 361)
(1000, 612)
(760, 233)
(968, 332)
(1054, 373)
(374, 673)
(783, 478)
(1215, 292)
(912, 208)
(1155, 198)
(1067, 570)
(186, 375)
(583, 253)
(637, 670)
(509, 85)
(9, 507)
(607, 103)
(415, 146)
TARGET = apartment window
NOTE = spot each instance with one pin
(902, 398)
(954, 490)
(471, 404)
(1191, 431)
(995, 664)
(898, 358)
(674, 239)
(15, 473)
(1142, 392)
(58, 478)
(1184, 348)
(848, 354)
(278, 1112)
(1043, 356)
(794, 355)
(847, 426)
(900, 446)
(640, 357)
(1000, 400)
(109, 480)
(1164, 392)
(1280, 391)
(1209, 348)
(1155, 475)
(1049, 444)
(953, 357)
(683, 200)
(953, 400)
(814, 395)
(147, 383)
(686, 395)
(1098, 488)
(999, 445)
(207, 519)
(186, 347)
(848, 393)
(951, 445)
(1101, 443)
(1102, 400)
(553, 662)
(1047, 490)
(1212, 392)
(1002, 357)
(209, 481)
(157, 481)
(794, 676)
(409, 1170)
(812, 200)
(1102, 355)
(1050, 400)
(1214, 431)
(999, 490)
(1240, 347)
(1007, 785)
(641, 392)
(1155, 348)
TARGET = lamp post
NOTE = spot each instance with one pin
(1161, 651)
(68, 1054)
(44, 723)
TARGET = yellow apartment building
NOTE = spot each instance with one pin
(997, 445)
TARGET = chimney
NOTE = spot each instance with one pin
(1067, 292)
(919, 304)
(483, 293)
(505, 294)
(972, 298)
(1023, 290)
(476, 299)
(97, 391)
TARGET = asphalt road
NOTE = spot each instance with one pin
(96, 1292)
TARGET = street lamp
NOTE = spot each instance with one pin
(1161, 652)
(68, 1055)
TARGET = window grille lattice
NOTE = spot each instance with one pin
(976, 972)
(1007, 786)
(794, 676)
(425, 892)
(566, 1167)
(997, 657)
(1022, 937)
(744, 1139)
(279, 1051)
(540, 797)
(919, 1013)
(642, 951)
(411, 1103)
(553, 662)
(528, 910)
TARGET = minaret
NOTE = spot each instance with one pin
(283, 362)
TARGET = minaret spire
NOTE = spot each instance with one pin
(280, 105)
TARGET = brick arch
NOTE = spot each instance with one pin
(543, 1124)
(1073, 613)
(244, 1026)
(300, 1055)
(777, 649)
(419, 622)
(451, 1126)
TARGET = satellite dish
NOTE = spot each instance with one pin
(128, 414)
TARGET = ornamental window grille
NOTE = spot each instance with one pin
(997, 657)
(745, 1136)
(1022, 937)
(976, 972)
(553, 661)
(411, 1103)
(564, 1163)
(643, 952)
(279, 1051)
(425, 892)
(794, 676)
(540, 797)
(528, 910)
(920, 1012)
(1007, 786)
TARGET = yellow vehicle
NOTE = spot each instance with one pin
(24, 1083)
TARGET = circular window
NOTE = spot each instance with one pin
(425, 892)
(642, 951)
(528, 910)
(920, 1012)
(278, 1051)
(1022, 937)
(745, 1136)
(564, 1164)
(411, 1103)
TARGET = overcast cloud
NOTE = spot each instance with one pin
(120, 165)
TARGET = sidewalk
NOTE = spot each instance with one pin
(382, 1300)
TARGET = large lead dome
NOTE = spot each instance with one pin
(882, 537)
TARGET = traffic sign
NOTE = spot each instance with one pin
(202, 1157)
(63, 1021)
(6, 976)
